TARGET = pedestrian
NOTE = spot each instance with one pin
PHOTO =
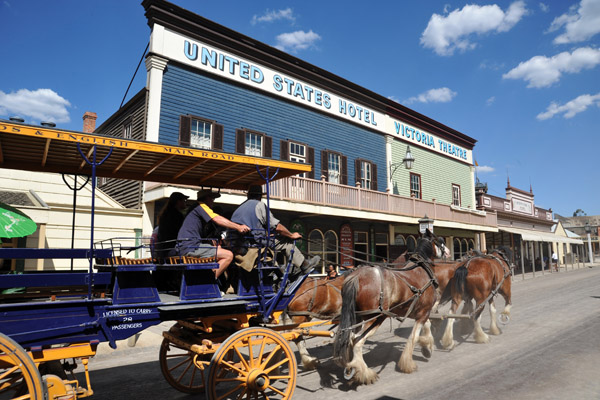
(253, 212)
(331, 272)
(193, 240)
(555, 260)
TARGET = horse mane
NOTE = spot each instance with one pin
(504, 250)
(424, 249)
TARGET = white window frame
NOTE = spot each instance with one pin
(200, 136)
(456, 195)
(254, 144)
(128, 129)
(334, 167)
(366, 174)
(416, 193)
(297, 153)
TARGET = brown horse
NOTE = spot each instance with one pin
(480, 278)
(374, 293)
(316, 298)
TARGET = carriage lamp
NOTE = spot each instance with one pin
(424, 224)
(588, 231)
(407, 161)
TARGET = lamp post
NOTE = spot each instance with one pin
(424, 224)
(407, 161)
(588, 230)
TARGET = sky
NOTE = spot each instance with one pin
(520, 77)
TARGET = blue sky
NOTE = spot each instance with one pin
(521, 77)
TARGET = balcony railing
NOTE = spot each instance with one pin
(324, 193)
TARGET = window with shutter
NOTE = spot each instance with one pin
(200, 133)
(253, 143)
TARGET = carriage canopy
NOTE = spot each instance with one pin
(36, 148)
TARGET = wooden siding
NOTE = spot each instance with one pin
(126, 192)
(236, 107)
(438, 173)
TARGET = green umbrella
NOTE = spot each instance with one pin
(14, 223)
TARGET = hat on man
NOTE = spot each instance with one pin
(208, 193)
(176, 196)
(255, 191)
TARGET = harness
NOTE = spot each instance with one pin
(416, 262)
(507, 272)
(311, 303)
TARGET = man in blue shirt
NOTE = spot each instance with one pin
(192, 237)
(253, 213)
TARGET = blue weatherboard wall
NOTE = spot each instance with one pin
(235, 107)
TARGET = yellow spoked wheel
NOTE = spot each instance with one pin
(19, 377)
(183, 369)
(251, 364)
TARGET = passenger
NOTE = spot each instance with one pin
(192, 238)
(253, 213)
(169, 222)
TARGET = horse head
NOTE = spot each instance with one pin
(438, 245)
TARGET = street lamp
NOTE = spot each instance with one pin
(424, 224)
(588, 230)
(407, 161)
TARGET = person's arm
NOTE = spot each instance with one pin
(225, 223)
(283, 231)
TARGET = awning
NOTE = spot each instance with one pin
(537, 236)
(35, 148)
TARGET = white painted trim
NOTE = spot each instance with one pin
(155, 66)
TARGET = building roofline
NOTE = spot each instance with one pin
(186, 22)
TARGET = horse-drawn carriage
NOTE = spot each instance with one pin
(227, 345)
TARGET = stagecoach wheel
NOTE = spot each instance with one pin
(19, 377)
(252, 363)
(179, 369)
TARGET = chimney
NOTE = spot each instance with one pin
(89, 122)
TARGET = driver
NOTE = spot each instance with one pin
(253, 213)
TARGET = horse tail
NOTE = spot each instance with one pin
(460, 279)
(343, 337)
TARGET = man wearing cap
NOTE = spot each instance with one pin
(169, 221)
(253, 213)
(190, 237)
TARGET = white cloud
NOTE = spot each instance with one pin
(490, 101)
(544, 7)
(440, 95)
(581, 23)
(571, 108)
(274, 15)
(295, 41)
(483, 169)
(541, 71)
(445, 34)
(40, 104)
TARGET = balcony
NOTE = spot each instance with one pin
(322, 193)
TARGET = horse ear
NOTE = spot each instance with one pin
(428, 233)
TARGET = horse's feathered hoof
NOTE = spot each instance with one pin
(349, 373)
(426, 351)
(504, 319)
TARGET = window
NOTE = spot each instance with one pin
(361, 245)
(200, 134)
(366, 174)
(330, 250)
(411, 244)
(381, 247)
(415, 185)
(315, 244)
(127, 128)
(253, 143)
(298, 154)
(399, 240)
(333, 168)
(455, 195)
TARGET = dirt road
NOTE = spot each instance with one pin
(549, 350)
